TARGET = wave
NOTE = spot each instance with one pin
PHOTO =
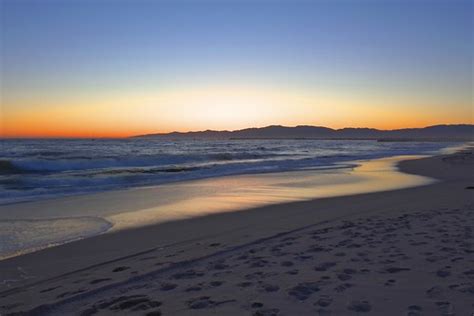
(47, 153)
(84, 163)
(227, 156)
(8, 167)
(147, 171)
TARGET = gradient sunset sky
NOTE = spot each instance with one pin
(116, 68)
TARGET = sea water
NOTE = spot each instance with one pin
(33, 169)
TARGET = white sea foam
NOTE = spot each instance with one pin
(19, 236)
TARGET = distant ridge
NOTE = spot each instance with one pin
(461, 132)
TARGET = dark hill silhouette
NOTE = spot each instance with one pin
(436, 132)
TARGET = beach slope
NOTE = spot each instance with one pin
(400, 252)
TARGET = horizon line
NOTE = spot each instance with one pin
(224, 130)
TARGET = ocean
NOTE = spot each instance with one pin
(34, 169)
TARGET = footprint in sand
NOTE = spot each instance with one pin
(119, 269)
(304, 290)
(189, 274)
(360, 306)
(324, 301)
(267, 312)
(168, 286)
(96, 281)
(244, 284)
(122, 303)
(193, 289)
(256, 305)
(201, 302)
(269, 287)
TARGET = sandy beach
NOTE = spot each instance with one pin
(260, 158)
(398, 252)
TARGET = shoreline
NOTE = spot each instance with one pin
(231, 167)
(155, 205)
(232, 231)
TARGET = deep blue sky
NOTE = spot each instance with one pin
(415, 49)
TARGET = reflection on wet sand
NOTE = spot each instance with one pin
(203, 197)
(145, 206)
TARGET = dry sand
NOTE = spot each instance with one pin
(400, 252)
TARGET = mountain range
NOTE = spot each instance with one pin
(437, 132)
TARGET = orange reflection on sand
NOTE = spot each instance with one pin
(204, 197)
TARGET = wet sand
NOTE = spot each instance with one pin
(401, 252)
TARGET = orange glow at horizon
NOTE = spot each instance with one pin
(217, 108)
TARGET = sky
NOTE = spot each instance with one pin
(111, 68)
